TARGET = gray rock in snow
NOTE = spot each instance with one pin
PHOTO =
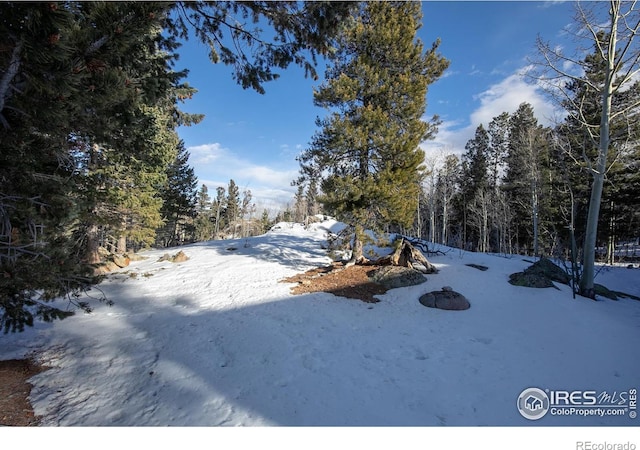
(393, 277)
(447, 299)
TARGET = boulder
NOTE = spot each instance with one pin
(179, 257)
(546, 268)
(532, 280)
(165, 257)
(393, 277)
(447, 299)
(540, 274)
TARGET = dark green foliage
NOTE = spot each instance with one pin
(472, 201)
(475, 164)
(232, 210)
(76, 81)
(375, 94)
(619, 217)
(219, 204)
(231, 31)
(311, 198)
(178, 200)
(299, 205)
(204, 227)
(265, 222)
(88, 112)
(527, 180)
(507, 185)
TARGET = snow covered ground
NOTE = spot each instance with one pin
(217, 340)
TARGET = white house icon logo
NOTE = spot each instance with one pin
(533, 403)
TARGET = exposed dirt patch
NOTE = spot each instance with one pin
(351, 282)
(15, 409)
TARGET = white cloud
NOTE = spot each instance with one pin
(505, 95)
(449, 139)
(206, 154)
(270, 177)
(449, 73)
(215, 165)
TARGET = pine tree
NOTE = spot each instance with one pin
(232, 210)
(299, 205)
(311, 198)
(472, 202)
(219, 204)
(523, 179)
(299, 32)
(265, 221)
(498, 148)
(247, 209)
(204, 228)
(76, 80)
(376, 94)
(178, 199)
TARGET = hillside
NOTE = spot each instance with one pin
(219, 340)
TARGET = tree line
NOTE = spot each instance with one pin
(517, 189)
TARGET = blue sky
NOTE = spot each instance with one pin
(254, 139)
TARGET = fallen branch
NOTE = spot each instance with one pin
(423, 246)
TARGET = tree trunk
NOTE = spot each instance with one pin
(406, 255)
(443, 239)
(121, 247)
(535, 214)
(357, 253)
(93, 257)
(587, 288)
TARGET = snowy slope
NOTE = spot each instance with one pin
(217, 340)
